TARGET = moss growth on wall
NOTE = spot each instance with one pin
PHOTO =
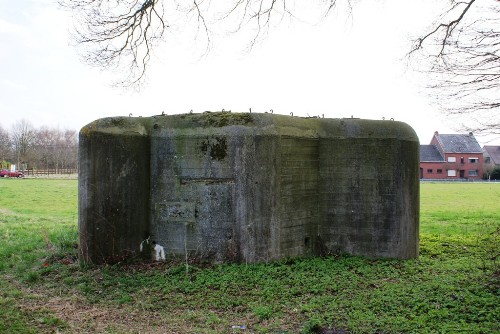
(216, 119)
(216, 147)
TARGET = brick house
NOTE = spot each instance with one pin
(492, 155)
(491, 161)
(451, 156)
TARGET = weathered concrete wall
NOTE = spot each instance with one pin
(249, 187)
(114, 188)
(370, 191)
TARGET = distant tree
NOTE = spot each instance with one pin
(55, 149)
(461, 55)
(495, 174)
(5, 147)
(23, 138)
(487, 170)
(45, 143)
(69, 149)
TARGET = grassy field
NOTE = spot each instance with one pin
(454, 287)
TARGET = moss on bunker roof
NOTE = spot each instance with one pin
(263, 123)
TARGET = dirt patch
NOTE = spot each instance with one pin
(4, 211)
(84, 318)
(80, 316)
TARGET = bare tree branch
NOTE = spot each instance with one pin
(122, 35)
(118, 32)
(444, 31)
(462, 60)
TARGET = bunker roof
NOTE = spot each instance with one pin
(201, 124)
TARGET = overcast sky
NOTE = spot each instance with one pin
(340, 67)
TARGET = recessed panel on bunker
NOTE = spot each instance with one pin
(192, 193)
(253, 187)
(299, 195)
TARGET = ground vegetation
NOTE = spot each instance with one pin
(454, 286)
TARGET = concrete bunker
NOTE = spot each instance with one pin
(248, 187)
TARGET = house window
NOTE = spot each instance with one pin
(429, 171)
(473, 173)
(452, 159)
(473, 160)
(487, 160)
(452, 172)
(440, 171)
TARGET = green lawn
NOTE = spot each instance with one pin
(452, 288)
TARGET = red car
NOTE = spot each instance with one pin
(6, 173)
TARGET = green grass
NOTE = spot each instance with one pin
(40, 197)
(452, 288)
(457, 208)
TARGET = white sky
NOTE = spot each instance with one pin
(341, 67)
